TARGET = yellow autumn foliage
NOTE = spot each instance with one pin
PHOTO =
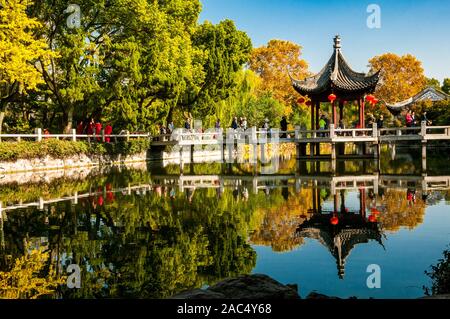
(25, 279)
(400, 212)
(280, 221)
(19, 48)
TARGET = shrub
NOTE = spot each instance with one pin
(440, 276)
(12, 151)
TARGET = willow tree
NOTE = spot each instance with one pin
(19, 51)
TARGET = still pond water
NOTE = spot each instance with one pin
(155, 231)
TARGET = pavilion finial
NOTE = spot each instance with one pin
(337, 42)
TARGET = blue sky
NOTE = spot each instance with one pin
(421, 28)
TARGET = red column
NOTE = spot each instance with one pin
(334, 113)
(363, 120)
(359, 112)
(362, 202)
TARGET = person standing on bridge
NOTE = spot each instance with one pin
(170, 127)
(408, 119)
(322, 124)
(98, 130)
(80, 128)
(284, 127)
(425, 118)
(244, 123)
(380, 121)
(187, 124)
(234, 123)
(108, 132)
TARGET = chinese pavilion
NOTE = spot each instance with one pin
(428, 94)
(340, 239)
(336, 83)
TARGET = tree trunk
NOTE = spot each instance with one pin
(68, 120)
(2, 115)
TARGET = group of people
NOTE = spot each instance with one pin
(242, 123)
(95, 128)
(411, 121)
(163, 130)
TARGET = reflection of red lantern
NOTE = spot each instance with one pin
(372, 219)
(334, 220)
(308, 103)
(110, 197)
(332, 97)
(100, 201)
(375, 211)
(346, 209)
(301, 100)
(108, 186)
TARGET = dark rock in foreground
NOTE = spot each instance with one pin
(243, 287)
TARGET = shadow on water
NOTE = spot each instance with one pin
(156, 231)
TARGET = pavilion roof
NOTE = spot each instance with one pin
(342, 239)
(429, 93)
(336, 76)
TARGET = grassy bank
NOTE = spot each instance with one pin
(12, 151)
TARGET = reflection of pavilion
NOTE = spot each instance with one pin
(351, 230)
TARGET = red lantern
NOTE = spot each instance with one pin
(308, 103)
(369, 98)
(334, 220)
(372, 219)
(332, 97)
(301, 100)
(374, 101)
(375, 211)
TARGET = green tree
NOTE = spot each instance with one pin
(225, 51)
(434, 83)
(446, 85)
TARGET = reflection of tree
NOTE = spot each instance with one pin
(141, 245)
(400, 212)
(440, 276)
(281, 220)
(25, 278)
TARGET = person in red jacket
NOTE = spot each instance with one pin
(108, 131)
(80, 128)
(98, 130)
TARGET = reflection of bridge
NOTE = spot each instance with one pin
(334, 183)
(75, 197)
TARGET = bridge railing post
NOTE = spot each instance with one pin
(332, 132)
(38, 133)
(254, 139)
(374, 130)
(423, 128)
(297, 133)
